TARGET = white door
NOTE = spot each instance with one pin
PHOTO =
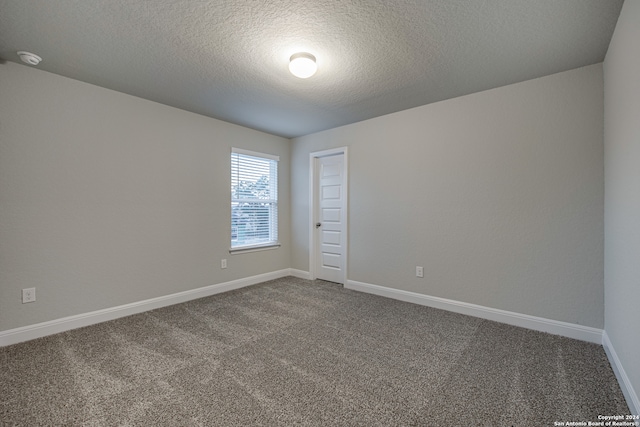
(330, 225)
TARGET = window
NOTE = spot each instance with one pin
(254, 200)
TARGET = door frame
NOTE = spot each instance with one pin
(313, 202)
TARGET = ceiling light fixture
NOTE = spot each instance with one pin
(29, 58)
(303, 65)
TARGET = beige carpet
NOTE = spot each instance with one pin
(295, 352)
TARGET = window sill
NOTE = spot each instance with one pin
(256, 248)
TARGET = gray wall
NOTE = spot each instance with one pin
(108, 199)
(499, 195)
(622, 191)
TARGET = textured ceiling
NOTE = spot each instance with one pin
(228, 59)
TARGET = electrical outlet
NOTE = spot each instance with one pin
(419, 272)
(28, 295)
(223, 263)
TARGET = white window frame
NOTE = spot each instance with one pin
(273, 202)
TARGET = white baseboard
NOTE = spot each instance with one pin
(625, 383)
(26, 333)
(584, 333)
(300, 274)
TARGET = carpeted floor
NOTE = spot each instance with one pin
(296, 352)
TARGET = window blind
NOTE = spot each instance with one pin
(254, 199)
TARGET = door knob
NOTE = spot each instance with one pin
(318, 225)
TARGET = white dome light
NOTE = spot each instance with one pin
(303, 65)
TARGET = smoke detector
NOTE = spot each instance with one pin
(29, 58)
